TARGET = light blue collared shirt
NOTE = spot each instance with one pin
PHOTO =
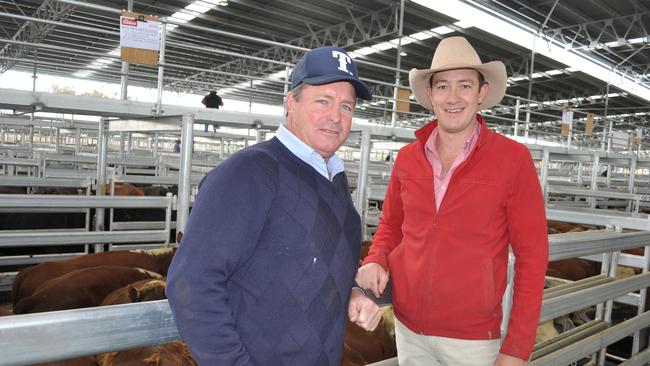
(328, 170)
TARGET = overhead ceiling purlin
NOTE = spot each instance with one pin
(33, 32)
(366, 28)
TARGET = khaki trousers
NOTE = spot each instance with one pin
(420, 350)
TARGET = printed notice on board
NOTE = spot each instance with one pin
(142, 34)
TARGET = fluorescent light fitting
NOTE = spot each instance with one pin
(554, 72)
(177, 20)
(403, 54)
(365, 51)
(278, 75)
(183, 15)
(421, 36)
(638, 40)
(464, 24)
(205, 3)
(442, 30)
(405, 40)
(82, 74)
(198, 8)
(536, 75)
(383, 46)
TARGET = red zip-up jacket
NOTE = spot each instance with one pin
(448, 267)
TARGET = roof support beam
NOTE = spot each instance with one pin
(373, 25)
(33, 31)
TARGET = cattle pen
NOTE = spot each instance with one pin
(88, 124)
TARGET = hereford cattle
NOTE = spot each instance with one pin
(140, 291)
(559, 227)
(172, 354)
(573, 269)
(175, 353)
(365, 248)
(81, 288)
(124, 189)
(351, 357)
(160, 191)
(363, 347)
(57, 190)
(79, 361)
(30, 278)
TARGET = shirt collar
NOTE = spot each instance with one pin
(303, 151)
(431, 141)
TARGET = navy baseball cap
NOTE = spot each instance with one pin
(326, 65)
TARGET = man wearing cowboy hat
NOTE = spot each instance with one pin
(458, 197)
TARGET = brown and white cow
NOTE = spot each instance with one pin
(139, 291)
(31, 278)
(82, 288)
(171, 354)
(175, 353)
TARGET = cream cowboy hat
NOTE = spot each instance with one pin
(456, 53)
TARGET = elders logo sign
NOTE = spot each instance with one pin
(130, 21)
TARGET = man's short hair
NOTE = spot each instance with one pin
(297, 91)
(481, 79)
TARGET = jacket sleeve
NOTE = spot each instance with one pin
(529, 240)
(389, 233)
(222, 232)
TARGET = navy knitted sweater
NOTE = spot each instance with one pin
(265, 269)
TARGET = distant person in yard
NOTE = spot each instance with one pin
(212, 100)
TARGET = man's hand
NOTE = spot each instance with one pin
(363, 311)
(507, 360)
(372, 277)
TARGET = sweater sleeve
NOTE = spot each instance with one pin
(529, 240)
(389, 233)
(222, 232)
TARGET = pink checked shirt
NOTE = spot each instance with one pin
(442, 183)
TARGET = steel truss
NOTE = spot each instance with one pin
(33, 32)
(354, 31)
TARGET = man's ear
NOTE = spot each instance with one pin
(483, 92)
(290, 101)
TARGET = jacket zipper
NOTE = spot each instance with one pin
(435, 222)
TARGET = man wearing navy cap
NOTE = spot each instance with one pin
(265, 272)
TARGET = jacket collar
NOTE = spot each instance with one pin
(423, 133)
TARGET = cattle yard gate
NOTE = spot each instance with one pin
(572, 180)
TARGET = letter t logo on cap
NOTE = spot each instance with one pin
(344, 61)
